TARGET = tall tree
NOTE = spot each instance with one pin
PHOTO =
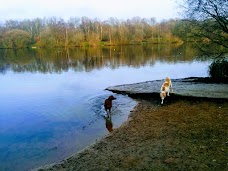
(209, 19)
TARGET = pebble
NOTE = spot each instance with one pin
(169, 160)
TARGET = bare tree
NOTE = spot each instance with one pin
(209, 19)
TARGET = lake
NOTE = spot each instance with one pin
(51, 103)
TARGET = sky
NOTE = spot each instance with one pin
(101, 9)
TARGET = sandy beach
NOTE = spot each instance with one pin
(183, 134)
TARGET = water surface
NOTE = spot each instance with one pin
(51, 102)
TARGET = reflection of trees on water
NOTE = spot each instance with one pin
(87, 59)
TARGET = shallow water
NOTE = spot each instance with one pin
(51, 108)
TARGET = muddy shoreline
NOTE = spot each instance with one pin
(186, 133)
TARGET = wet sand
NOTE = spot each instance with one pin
(183, 134)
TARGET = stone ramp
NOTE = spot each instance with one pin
(191, 87)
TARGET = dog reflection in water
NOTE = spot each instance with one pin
(108, 107)
(108, 122)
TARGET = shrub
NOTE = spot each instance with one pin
(219, 69)
(16, 39)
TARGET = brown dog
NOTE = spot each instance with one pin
(108, 103)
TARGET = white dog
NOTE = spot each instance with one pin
(165, 88)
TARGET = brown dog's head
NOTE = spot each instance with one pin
(111, 97)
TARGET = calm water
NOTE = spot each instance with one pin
(51, 100)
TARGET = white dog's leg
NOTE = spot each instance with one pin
(162, 98)
(171, 87)
(168, 92)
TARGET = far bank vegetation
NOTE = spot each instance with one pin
(56, 32)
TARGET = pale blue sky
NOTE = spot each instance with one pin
(102, 9)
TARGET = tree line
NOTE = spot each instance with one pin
(84, 31)
(205, 22)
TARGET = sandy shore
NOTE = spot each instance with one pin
(184, 134)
